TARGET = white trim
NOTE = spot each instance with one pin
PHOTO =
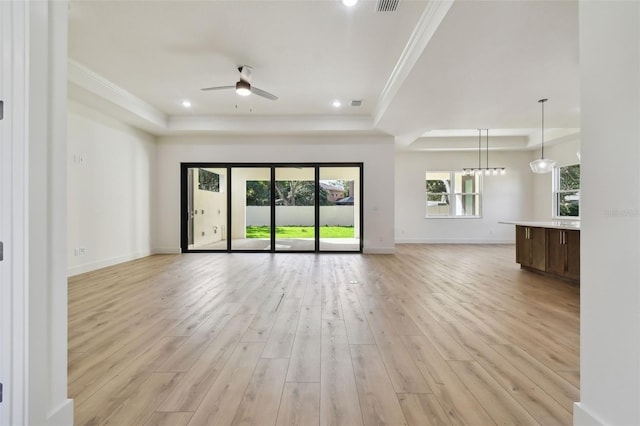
(92, 266)
(90, 88)
(582, 417)
(166, 250)
(379, 250)
(94, 83)
(451, 241)
(62, 415)
(14, 136)
(430, 20)
(454, 217)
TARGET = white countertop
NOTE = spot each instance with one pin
(556, 224)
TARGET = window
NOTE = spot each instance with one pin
(566, 191)
(452, 194)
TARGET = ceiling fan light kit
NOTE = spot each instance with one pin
(243, 88)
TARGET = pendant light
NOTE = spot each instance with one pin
(495, 171)
(470, 171)
(542, 165)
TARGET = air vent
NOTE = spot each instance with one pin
(356, 103)
(387, 5)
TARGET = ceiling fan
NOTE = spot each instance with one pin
(243, 86)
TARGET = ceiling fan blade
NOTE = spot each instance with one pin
(262, 93)
(219, 88)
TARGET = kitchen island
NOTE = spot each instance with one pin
(551, 248)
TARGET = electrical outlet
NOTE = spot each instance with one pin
(83, 250)
(76, 251)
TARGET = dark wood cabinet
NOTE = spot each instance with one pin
(530, 247)
(549, 250)
(563, 253)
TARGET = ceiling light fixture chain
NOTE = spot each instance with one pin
(479, 149)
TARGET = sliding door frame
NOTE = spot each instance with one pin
(184, 213)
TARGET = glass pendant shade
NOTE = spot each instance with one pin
(542, 165)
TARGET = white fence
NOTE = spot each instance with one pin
(300, 216)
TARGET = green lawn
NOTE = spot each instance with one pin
(300, 232)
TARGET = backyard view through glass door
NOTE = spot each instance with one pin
(267, 207)
(339, 208)
(295, 209)
(251, 208)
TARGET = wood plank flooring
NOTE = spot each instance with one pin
(433, 335)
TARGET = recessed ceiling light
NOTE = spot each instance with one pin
(186, 104)
(349, 3)
(337, 104)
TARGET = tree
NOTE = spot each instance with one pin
(569, 196)
(258, 193)
(437, 190)
(296, 192)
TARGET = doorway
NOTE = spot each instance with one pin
(256, 207)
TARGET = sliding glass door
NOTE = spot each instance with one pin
(271, 207)
(295, 189)
(340, 203)
(206, 208)
(251, 208)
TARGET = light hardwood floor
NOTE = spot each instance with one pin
(435, 334)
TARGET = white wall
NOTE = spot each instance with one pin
(564, 154)
(375, 152)
(110, 175)
(505, 197)
(610, 240)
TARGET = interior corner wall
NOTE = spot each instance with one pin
(109, 176)
(564, 154)
(375, 152)
(610, 219)
(505, 198)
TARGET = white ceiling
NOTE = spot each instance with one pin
(427, 73)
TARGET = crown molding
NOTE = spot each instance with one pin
(552, 136)
(91, 83)
(90, 88)
(468, 143)
(429, 21)
(265, 124)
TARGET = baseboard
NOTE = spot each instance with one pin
(451, 241)
(88, 267)
(166, 251)
(63, 415)
(582, 417)
(379, 250)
